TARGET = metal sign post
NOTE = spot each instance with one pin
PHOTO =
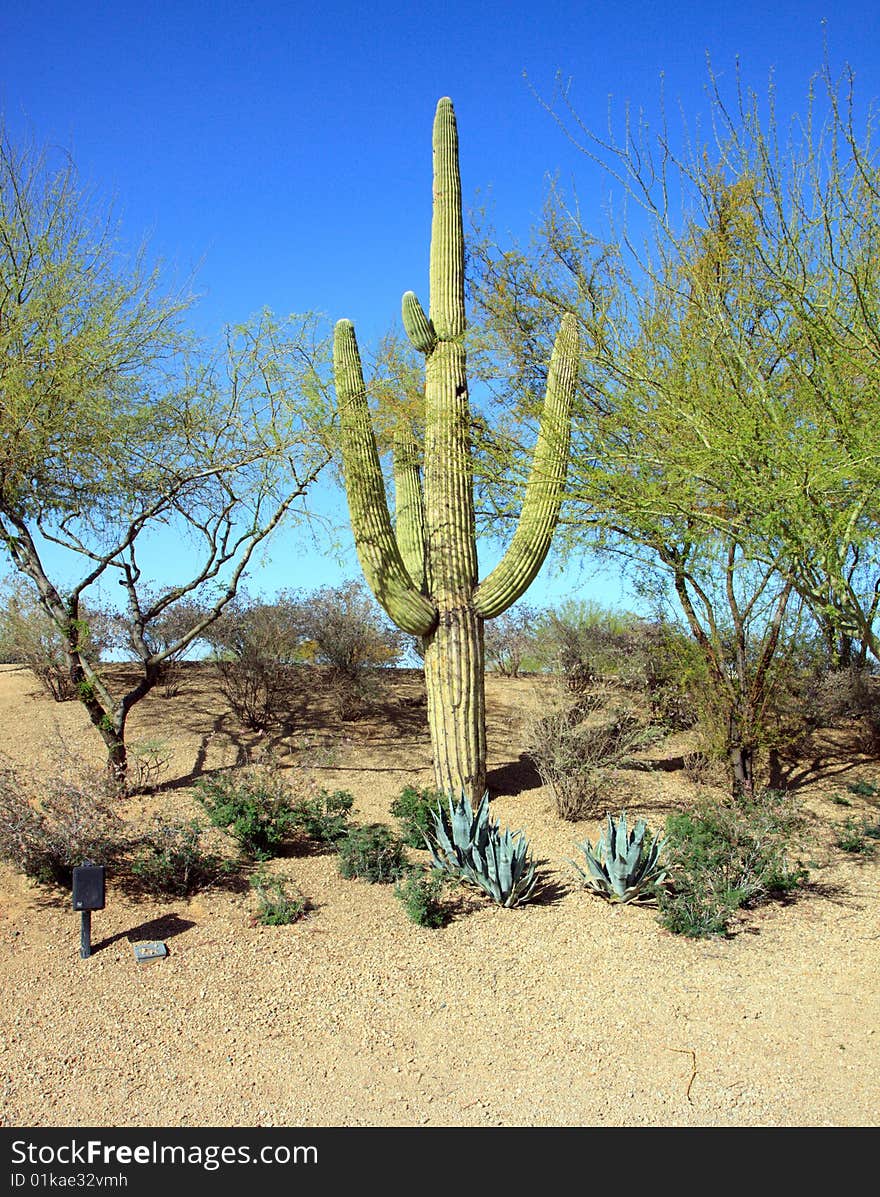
(88, 895)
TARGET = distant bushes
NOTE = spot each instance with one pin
(510, 641)
(254, 645)
(350, 634)
(27, 637)
(257, 646)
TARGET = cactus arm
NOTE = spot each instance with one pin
(416, 324)
(377, 547)
(531, 541)
(409, 513)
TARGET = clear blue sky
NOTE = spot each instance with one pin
(283, 149)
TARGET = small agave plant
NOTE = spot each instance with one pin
(621, 868)
(469, 845)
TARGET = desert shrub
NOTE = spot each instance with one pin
(510, 640)
(322, 817)
(722, 856)
(372, 852)
(262, 811)
(412, 808)
(420, 895)
(170, 859)
(29, 637)
(574, 751)
(279, 902)
(50, 825)
(255, 689)
(703, 768)
(584, 642)
(834, 697)
(347, 631)
(255, 646)
(147, 761)
(272, 631)
(813, 696)
(858, 837)
(254, 805)
(675, 677)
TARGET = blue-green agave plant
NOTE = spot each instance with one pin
(469, 845)
(620, 867)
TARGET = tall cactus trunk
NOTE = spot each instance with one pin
(455, 682)
(424, 570)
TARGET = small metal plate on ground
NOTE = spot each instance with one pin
(151, 949)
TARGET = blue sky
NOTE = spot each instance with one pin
(282, 150)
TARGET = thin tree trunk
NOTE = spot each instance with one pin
(742, 760)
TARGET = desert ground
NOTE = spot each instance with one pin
(563, 1012)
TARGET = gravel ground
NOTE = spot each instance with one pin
(563, 1013)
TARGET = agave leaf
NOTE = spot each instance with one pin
(503, 865)
(462, 820)
(593, 862)
(630, 866)
(442, 850)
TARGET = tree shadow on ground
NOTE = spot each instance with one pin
(308, 726)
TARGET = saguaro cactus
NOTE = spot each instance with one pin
(423, 567)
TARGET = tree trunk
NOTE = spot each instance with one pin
(455, 680)
(117, 757)
(742, 760)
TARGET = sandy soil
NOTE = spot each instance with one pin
(563, 1013)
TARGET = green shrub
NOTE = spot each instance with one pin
(373, 853)
(856, 837)
(277, 906)
(420, 896)
(324, 817)
(49, 825)
(723, 856)
(413, 808)
(863, 788)
(171, 860)
(255, 805)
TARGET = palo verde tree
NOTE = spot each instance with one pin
(725, 428)
(115, 425)
(423, 567)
